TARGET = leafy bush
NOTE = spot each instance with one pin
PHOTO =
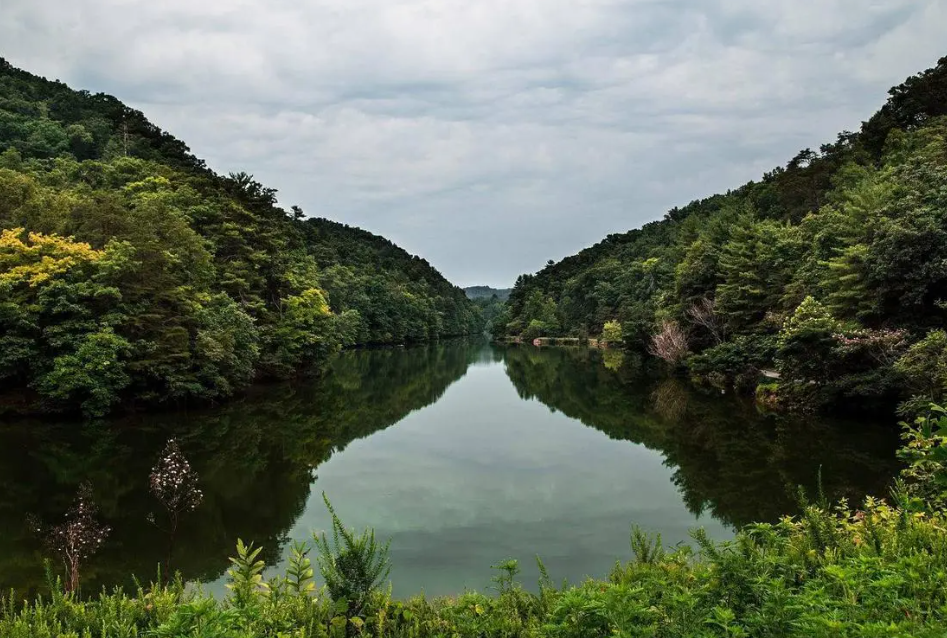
(924, 367)
(612, 333)
(824, 362)
(535, 329)
(805, 342)
(925, 452)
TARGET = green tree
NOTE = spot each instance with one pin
(92, 376)
(612, 333)
(756, 265)
(806, 342)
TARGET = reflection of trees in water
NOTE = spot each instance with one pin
(256, 458)
(728, 459)
(669, 399)
(613, 358)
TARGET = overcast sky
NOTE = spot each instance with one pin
(488, 136)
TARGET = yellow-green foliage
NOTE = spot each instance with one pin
(41, 257)
(611, 332)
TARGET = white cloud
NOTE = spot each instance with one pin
(487, 136)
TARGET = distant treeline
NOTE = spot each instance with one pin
(486, 292)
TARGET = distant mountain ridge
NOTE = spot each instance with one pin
(486, 292)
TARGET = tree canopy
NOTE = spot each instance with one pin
(131, 272)
(859, 226)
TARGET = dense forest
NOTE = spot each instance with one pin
(831, 272)
(130, 272)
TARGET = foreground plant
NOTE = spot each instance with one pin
(175, 484)
(353, 566)
(77, 537)
(925, 452)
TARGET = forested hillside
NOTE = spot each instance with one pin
(832, 270)
(131, 272)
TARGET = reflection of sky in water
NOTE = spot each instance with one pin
(481, 476)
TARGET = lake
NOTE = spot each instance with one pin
(463, 453)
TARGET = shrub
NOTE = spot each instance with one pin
(925, 453)
(738, 361)
(805, 343)
(535, 329)
(924, 366)
(353, 566)
(611, 333)
(822, 361)
(670, 343)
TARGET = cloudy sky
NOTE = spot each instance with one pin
(487, 135)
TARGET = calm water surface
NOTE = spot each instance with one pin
(463, 454)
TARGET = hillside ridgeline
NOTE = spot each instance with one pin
(132, 273)
(831, 271)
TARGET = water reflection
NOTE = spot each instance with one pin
(256, 458)
(728, 458)
(498, 465)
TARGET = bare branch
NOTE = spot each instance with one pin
(704, 313)
(670, 343)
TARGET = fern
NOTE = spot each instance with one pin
(353, 566)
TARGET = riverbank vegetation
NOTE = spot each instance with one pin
(132, 275)
(828, 272)
(877, 570)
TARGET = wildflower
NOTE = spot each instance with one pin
(79, 536)
(174, 483)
